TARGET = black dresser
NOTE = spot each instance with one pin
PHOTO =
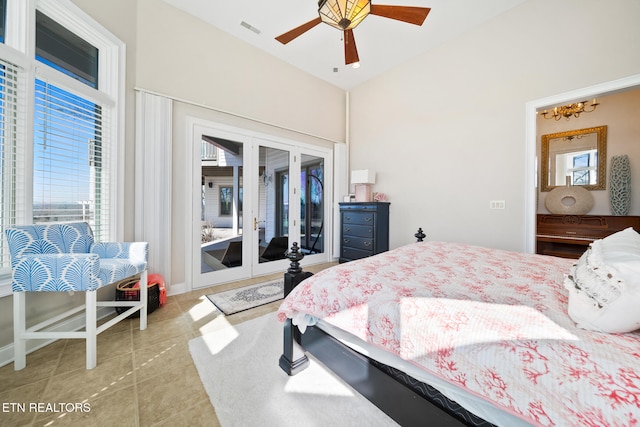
(365, 229)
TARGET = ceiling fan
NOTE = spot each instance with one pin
(345, 15)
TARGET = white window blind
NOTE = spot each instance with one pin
(71, 163)
(12, 152)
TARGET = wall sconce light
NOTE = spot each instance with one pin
(362, 179)
(210, 184)
(574, 110)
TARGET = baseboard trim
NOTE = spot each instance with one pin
(72, 324)
(177, 288)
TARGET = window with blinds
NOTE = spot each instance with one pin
(71, 143)
(70, 150)
(12, 152)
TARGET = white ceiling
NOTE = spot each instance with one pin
(382, 43)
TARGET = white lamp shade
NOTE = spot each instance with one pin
(363, 176)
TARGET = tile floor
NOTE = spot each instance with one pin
(143, 378)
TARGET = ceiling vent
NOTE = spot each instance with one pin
(250, 27)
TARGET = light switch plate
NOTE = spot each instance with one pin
(496, 204)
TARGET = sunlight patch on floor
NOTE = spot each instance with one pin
(201, 310)
(217, 342)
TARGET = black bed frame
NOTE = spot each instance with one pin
(404, 399)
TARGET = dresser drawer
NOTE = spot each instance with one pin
(568, 236)
(358, 242)
(362, 218)
(364, 229)
(352, 253)
(357, 230)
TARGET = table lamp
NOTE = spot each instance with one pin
(362, 179)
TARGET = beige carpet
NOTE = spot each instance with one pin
(239, 369)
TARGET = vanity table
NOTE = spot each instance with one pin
(568, 236)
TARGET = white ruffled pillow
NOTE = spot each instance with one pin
(604, 285)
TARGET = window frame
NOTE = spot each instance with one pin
(220, 209)
(222, 200)
(19, 48)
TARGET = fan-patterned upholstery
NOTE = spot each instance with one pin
(65, 258)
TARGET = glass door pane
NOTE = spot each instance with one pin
(221, 195)
(312, 204)
(271, 218)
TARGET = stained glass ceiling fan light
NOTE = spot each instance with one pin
(343, 14)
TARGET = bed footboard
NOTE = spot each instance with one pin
(293, 358)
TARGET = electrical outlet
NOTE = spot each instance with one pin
(496, 204)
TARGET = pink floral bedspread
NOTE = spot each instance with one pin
(493, 322)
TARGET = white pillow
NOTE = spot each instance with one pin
(619, 317)
(604, 285)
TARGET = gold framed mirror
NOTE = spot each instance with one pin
(578, 157)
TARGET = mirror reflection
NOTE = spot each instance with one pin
(576, 157)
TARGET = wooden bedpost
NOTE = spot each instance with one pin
(293, 359)
(420, 235)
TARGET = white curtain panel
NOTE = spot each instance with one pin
(153, 179)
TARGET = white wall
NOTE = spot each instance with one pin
(445, 132)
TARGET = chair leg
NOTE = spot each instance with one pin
(91, 327)
(144, 298)
(19, 328)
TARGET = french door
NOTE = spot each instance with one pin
(252, 198)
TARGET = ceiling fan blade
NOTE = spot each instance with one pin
(350, 50)
(410, 14)
(298, 31)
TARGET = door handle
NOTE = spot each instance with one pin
(255, 224)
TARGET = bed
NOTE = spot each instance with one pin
(488, 331)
